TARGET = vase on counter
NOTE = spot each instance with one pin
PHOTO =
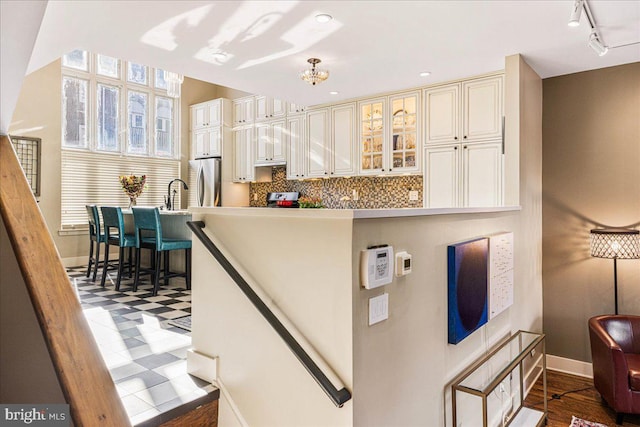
(132, 201)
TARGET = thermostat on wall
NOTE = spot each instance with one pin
(376, 266)
(403, 263)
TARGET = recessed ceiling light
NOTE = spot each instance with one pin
(333, 92)
(323, 17)
(425, 73)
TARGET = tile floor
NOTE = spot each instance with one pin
(145, 354)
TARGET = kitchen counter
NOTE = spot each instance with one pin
(349, 213)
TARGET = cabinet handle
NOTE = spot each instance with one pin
(331, 173)
(382, 170)
(464, 137)
(465, 147)
(455, 148)
(325, 172)
(390, 169)
(297, 175)
(455, 137)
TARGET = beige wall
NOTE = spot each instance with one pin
(591, 179)
(27, 374)
(402, 366)
(304, 266)
(38, 114)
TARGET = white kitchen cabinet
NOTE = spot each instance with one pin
(243, 111)
(206, 142)
(296, 147)
(343, 153)
(468, 175)
(243, 170)
(268, 108)
(330, 148)
(442, 176)
(318, 143)
(482, 171)
(295, 109)
(216, 112)
(469, 111)
(270, 143)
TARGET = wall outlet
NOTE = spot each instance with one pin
(354, 194)
(413, 196)
(378, 308)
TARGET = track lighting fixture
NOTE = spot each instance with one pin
(595, 39)
(574, 19)
(596, 44)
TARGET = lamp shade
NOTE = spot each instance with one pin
(620, 243)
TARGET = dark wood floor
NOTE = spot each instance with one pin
(585, 404)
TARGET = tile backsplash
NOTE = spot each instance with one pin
(373, 192)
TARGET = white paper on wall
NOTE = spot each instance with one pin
(500, 273)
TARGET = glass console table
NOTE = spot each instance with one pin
(491, 392)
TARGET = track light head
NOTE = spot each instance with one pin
(596, 44)
(574, 19)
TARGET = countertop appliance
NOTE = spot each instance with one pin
(208, 180)
(283, 200)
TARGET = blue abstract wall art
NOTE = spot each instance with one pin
(468, 270)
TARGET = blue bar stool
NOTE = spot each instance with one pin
(96, 237)
(149, 234)
(115, 235)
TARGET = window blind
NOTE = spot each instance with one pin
(92, 178)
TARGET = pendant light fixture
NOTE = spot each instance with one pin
(314, 75)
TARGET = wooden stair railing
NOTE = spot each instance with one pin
(83, 376)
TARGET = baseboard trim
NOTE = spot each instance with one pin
(569, 366)
(75, 261)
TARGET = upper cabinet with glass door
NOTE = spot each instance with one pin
(389, 136)
(372, 115)
(404, 133)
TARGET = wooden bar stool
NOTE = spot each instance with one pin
(96, 237)
(115, 235)
(149, 234)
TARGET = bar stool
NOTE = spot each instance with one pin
(96, 237)
(113, 221)
(148, 220)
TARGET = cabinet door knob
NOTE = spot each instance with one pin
(465, 137)
(325, 172)
(382, 170)
(455, 148)
(331, 173)
(465, 147)
(390, 169)
(455, 137)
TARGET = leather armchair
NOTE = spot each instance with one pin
(615, 352)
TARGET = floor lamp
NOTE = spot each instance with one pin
(616, 243)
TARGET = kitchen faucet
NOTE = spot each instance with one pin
(170, 204)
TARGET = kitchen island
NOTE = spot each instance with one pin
(307, 264)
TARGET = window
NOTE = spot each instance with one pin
(108, 119)
(108, 66)
(137, 109)
(161, 83)
(77, 59)
(116, 120)
(74, 112)
(137, 73)
(164, 128)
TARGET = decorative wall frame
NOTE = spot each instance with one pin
(28, 152)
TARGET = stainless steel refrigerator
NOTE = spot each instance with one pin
(208, 180)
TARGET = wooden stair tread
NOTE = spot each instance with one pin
(202, 411)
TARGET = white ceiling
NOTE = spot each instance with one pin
(370, 47)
